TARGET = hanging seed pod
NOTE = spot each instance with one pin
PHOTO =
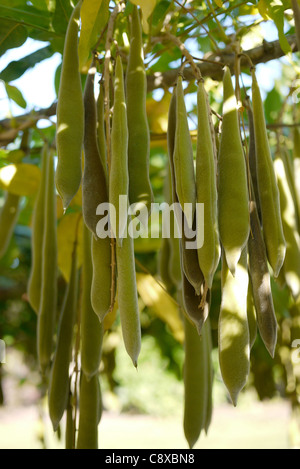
(140, 191)
(183, 158)
(94, 190)
(209, 254)
(91, 328)
(233, 199)
(128, 299)
(267, 186)
(48, 303)
(119, 178)
(38, 224)
(234, 340)
(89, 403)
(197, 382)
(59, 376)
(70, 116)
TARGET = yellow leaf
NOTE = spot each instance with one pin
(147, 7)
(94, 15)
(69, 228)
(157, 112)
(161, 304)
(20, 179)
(219, 3)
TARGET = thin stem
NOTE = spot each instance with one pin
(189, 12)
(221, 29)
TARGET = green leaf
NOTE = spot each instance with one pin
(63, 11)
(274, 9)
(11, 35)
(273, 104)
(94, 16)
(15, 95)
(17, 68)
(26, 15)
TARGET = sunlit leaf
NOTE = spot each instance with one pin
(161, 304)
(15, 95)
(147, 7)
(94, 16)
(20, 179)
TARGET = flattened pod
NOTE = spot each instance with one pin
(48, 304)
(252, 161)
(234, 340)
(38, 224)
(91, 328)
(261, 284)
(119, 177)
(70, 116)
(59, 376)
(195, 383)
(94, 189)
(102, 277)
(291, 266)
(128, 299)
(140, 191)
(8, 219)
(267, 186)
(184, 158)
(233, 198)
(88, 413)
(209, 254)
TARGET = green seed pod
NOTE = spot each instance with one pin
(196, 311)
(210, 374)
(119, 178)
(234, 340)
(101, 130)
(8, 218)
(233, 199)
(38, 221)
(88, 413)
(128, 299)
(267, 186)
(163, 264)
(252, 161)
(196, 385)
(175, 263)
(101, 295)
(140, 191)
(48, 303)
(94, 190)
(291, 266)
(291, 179)
(70, 116)
(91, 328)
(59, 377)
(261, 284)
(183, 157)
(209, 254)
